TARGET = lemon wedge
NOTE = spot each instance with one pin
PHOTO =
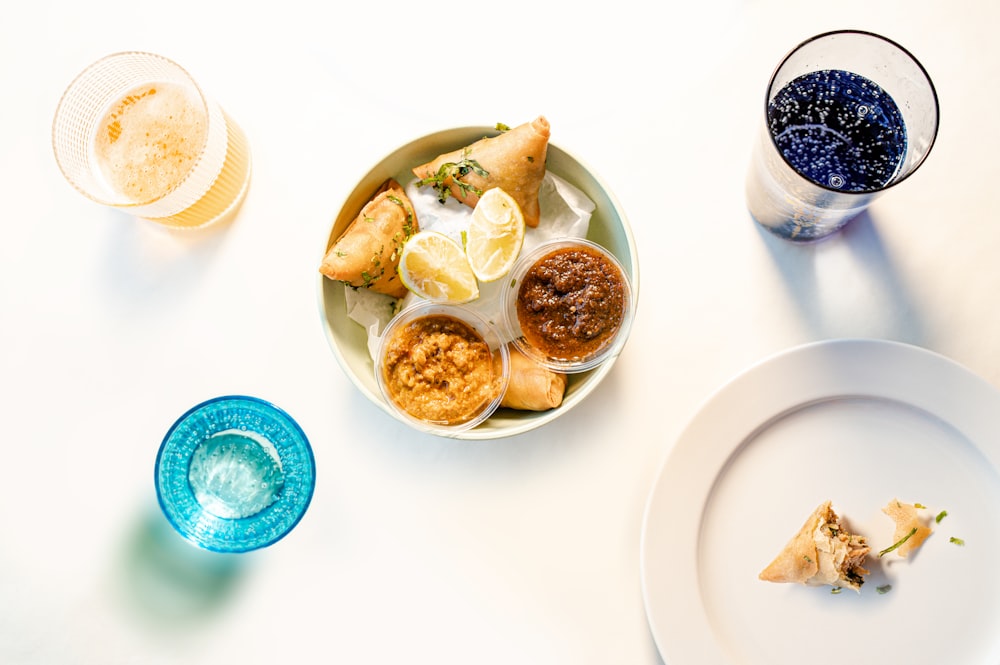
(495, 235)
(434, 267)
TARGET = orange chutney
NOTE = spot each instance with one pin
(439, 369)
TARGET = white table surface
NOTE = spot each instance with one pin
(418, 549)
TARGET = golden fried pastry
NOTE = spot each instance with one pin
(513, 160)
(367, 252)
(822, 552)
(532, 387)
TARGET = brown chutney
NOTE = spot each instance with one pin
(571, 303)
(440, 369)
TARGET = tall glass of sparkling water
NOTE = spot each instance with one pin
(134, 131)
(847, 115)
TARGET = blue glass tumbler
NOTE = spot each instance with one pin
(234, 474)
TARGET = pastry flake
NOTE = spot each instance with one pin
(910, 533)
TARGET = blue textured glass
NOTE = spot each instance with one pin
(234, 474)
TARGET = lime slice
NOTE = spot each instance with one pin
(434, 267)
(495, 236)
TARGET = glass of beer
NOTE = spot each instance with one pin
(135, 132)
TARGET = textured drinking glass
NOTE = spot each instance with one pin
(134, 131)
(847, 115)
(234, 474)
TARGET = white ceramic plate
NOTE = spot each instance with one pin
(608, 227)
(858, 422)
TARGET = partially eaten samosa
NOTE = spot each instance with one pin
(367, 253)
(514, 160)
(822, 552)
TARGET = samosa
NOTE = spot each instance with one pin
(367, 253)
(514, 160)
(822, 552)
(532, 387)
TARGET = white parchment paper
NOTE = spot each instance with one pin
(565, 212)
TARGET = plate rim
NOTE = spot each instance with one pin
(869, 359)
(596, 375)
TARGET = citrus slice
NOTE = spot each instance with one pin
(434, 267)
(495, 235)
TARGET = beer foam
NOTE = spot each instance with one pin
(150, 140)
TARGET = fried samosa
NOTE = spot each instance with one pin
(532, 387)
(513, 160)
(367, 253)
(822, 552)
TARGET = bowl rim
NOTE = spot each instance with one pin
(454, 137)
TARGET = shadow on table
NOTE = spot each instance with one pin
(170, 583)
(838, 309)
(148, 265)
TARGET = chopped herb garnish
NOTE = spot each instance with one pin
(807, 558)
(897, 544)
(957, 541)
(884, 589)
(453, 172)
(919, 505)
(940, 516)
(408, 225)
(465, 238)
(502, 127)
(836, 590)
